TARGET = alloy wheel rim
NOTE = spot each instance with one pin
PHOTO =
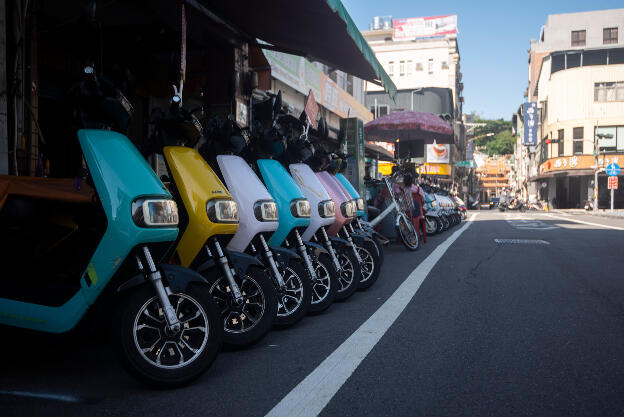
(171, 351)
(291, 298)
(320, 287)
(346, 276)
(367, 265)
(239, 319)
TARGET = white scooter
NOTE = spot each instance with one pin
(258, 219)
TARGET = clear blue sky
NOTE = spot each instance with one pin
(493, 41)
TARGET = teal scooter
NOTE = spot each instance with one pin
(64, 253)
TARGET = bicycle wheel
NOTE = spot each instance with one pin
(407, 233)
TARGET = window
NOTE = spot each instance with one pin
(419, 66)
(391, 68)
(609, 91)
(610, 138)
(408, 69)
(609, 35)
(560, 140)
(444, 65)
(430, 66)
(577, 135)
(578, 38)
(401, 68)
(382, 110)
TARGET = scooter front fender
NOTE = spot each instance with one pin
(176, 277)
(284, 255)
(340, 241)
(316, 248)
(242, 261)
(360, 239)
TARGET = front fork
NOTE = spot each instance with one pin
(355, 251)
(268, 255)
(331, 250)
(155, 277)
(227, 270)
(306, 256)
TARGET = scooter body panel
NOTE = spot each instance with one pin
(197, 184)
(246, 189)
(351, 191)
(120, 175)
(335, 192)
(314, 191)
(284, 190)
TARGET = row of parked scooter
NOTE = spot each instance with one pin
(442, 210)
(250, 229)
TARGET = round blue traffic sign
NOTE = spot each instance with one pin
(613, 170)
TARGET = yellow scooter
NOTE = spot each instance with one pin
(208, 220)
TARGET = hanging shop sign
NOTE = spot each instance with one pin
(530, 123)
(304, 76)
(434, 169)
(354, 136)
(438, 153)
(311, 109)
(579, 162)
(424, 27)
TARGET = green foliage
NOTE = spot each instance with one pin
(501, 143)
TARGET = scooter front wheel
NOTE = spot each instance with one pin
(370, 266)
(349, 277)
(157, 356)
(245, 323)
(326, 285)
(294, 302)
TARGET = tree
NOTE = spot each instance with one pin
(501, 143)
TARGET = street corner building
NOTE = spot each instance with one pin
(576, 81)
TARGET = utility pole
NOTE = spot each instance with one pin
(4, 133)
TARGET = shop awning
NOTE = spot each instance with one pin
(320, 30)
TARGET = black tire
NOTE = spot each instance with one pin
(523, 208)
(445, 223)
(204, 332)
(380, 250)
(370, 267)
(432, 225)
(349, 278)
(263, 305)
(299, 286)
(439, 225)
(326, 272)
(463, 215)
(407, 234)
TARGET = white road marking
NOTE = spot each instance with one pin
(312, 394)
(606, 226)
(525, 222)
(44, 396)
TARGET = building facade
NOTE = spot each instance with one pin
(421, 55)
(576, 77)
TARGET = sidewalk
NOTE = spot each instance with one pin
(618, 213)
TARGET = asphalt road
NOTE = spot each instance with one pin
(500, 329)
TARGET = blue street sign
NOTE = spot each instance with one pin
(613, 170)
(529, 111)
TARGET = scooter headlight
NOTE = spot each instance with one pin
(266, 211)
(222, 211)
(155, 212)
(348, 208)
(300, 208)
(360, 203)
(327, 208)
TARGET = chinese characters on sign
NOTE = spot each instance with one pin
(613, 183)
(530, 123)
(425, 27)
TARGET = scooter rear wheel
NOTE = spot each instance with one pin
(325, 288)
(294, 303)
(155, 356)
(249, 322)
